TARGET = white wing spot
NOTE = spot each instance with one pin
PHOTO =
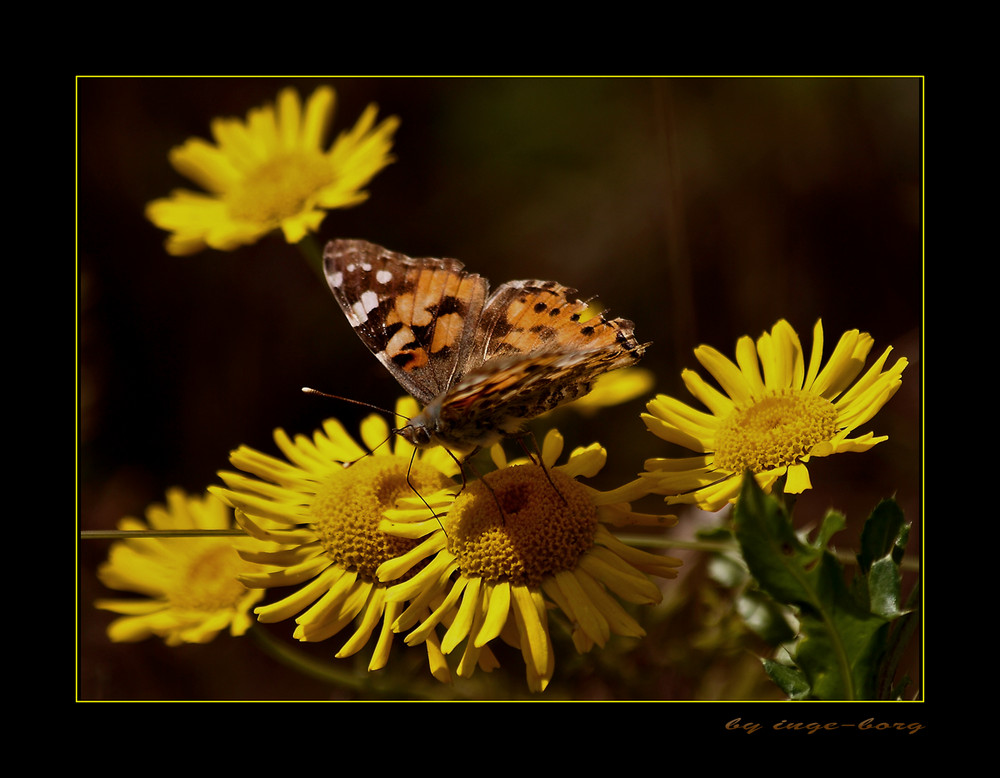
(383, 276)
(337, 279)
(359, 312)
(369, 301)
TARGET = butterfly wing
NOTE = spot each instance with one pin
(537, 353)
(499, 398)
(531, 317)
(418, 316)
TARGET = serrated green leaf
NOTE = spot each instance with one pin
(883, 541)
(884, 588)
(841, 643)
(775, 556)
(790, 680)
(882, 534)
(833, 522)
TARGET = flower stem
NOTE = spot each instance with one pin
(324, 671)
(714, 547)
(313, 255)
(297, 660)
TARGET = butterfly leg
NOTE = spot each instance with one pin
(461, 467)
(484, 482)
(414, 489)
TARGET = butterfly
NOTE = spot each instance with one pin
(481, 364)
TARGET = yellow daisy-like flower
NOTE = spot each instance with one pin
(770, 424)
(270, 172)
(614, 388)
(519, 541)
(327, 500)
(190, 583)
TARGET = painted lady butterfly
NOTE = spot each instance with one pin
(481, 364)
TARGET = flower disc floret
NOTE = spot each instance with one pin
(210, 581)
(349, 505)
(775, 431)
(521, 524)
(280, 188)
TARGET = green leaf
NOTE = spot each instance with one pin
(780, 562)
(883, 541)
(726, 570)
(833, 522)
(884, 589)
(765, 617)
(791, 681)
(840, 642)
(884, 534)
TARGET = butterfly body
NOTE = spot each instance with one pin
(481, 364)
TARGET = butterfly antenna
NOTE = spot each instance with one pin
(540, 462)
(317, 392)
(310, 390)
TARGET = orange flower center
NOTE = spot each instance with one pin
(521, 524)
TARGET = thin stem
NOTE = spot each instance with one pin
(844, 557)
(297, 660)
(324, 671)
(668, 543)
(313, 255)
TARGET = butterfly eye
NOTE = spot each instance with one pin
(416, 435)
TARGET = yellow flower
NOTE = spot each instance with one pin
(523, 539)
(270, 172)
(190, 583)
(614, 388)
(327, 501)
(770, 424)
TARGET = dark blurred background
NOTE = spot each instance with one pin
(701, 208)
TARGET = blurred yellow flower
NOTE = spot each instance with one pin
(613, 389)
(190, 583)
(270, 173)
(519, 541)
(770, 424)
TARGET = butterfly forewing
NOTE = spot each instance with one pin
(416, 315)
(528, 317)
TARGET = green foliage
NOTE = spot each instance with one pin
(845, 647)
